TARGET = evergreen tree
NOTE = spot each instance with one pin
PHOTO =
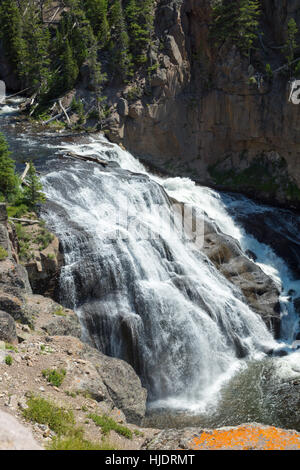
(32, 194)
(121, 58)
(237, 21)
(140, 18)
(96, 12)
(291, 43)
(36, 64)
(11, 34)
(248, 24)
(69, 69)
(8, 178)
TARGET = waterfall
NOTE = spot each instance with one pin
(144, 292)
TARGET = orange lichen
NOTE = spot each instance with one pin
(247, 437)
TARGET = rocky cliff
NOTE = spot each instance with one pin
(204, 111)
(210, 114)
(37, 334)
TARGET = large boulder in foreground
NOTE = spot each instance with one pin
(14, 436)
(250, 436)
(122, 384)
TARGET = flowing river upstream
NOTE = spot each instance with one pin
(146, 292)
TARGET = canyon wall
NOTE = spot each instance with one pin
(210, 114)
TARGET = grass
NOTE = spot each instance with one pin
(77, 442)
(8, 360)
(60, 312)
(107, 424)
(17, 211)
(11, 347)
(3, 253)
(42, 411)
(44, 239)
(54, 376)
(62, 422)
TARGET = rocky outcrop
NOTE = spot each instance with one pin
(207, 114)
(110, 381)
(14, 436)
(42, 257)
(259, 290)
(7, 328)
(251, 436)
(122, 384)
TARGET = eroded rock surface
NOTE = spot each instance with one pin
(250, 436)
(14, 436)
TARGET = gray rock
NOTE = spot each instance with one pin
(159, 78)
(122, 107)
(14, 436)
(122, 384)
(64, 326)
(297, 305)
(173, 50)
(3, 213)
(259, 290)
(7, 328)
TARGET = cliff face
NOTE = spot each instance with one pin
(211, 115)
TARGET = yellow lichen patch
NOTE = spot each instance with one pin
(247, 437)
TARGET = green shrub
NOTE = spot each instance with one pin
(55, 377)
(59, 312)
(10, 347)
(44, 239)
(107, 424)
(43, 411)
(3, 253)
(8, 360)
(17, 210)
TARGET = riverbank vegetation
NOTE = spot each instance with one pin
(47, 51)
(21, 198)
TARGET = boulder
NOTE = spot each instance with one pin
(122, 383)
(15, 436)
(159, 78)
(250, 436)
(63, 326)
(259, 290)
(7, 328)
(122, 107)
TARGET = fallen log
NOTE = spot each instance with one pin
(64, 111)
(25, 172)
(57, 116)
(24, 221)
(87, 158)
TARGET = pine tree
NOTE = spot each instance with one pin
(11, 34)
(121, 58)
(8, 178)
(32, 194)
(291, 43)
(237, 21)
(140, 18)
(36, 65)
(69, 69)
(248, 23)
(96, 12)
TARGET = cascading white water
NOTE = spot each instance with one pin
(222, 210)
(147, 295)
